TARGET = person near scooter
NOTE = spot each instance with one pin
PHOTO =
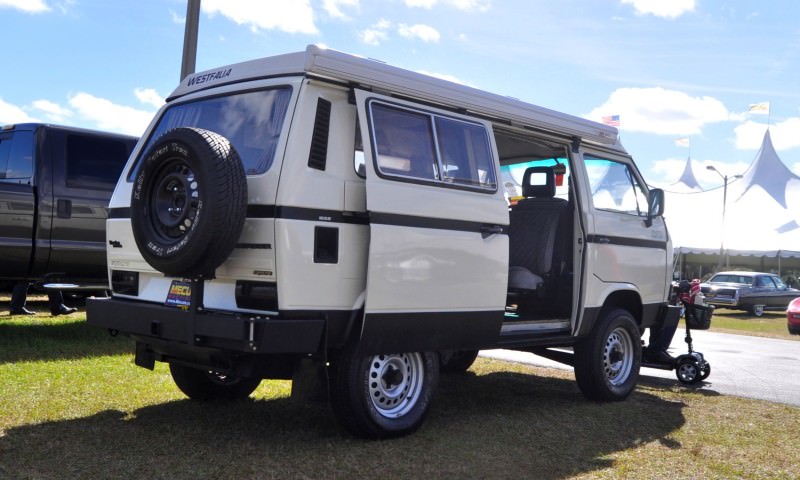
(661, 336)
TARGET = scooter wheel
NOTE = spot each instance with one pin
(688, 371)
(705, 371)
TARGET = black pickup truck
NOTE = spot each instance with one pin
(55, 184)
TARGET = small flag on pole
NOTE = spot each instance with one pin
(759, 108)
(682, 142)
(612, 120)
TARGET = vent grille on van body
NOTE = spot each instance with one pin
(318, 154)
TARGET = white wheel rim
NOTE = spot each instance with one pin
(618, 357)
(395, 383)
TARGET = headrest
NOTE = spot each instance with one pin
(545, 182)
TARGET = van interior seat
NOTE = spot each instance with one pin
(533, 227)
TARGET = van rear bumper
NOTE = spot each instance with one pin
(230, 331)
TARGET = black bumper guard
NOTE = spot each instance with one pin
(238, 332)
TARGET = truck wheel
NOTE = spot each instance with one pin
(457, 361)
(207, 385)
(386, 395)
(189, 202)
(607, 361)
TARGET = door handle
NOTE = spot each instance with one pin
(489, 230)
(64, 208)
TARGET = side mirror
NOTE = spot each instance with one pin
(655, 205)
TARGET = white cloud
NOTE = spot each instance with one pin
(149, 96)
(10, 113)
(465, 5)
(52, 111)
(294, 16)
(421, 3)
(333, 7)
(662, 8)
(472, 5)
(445, 76)
(110, 116)
(176, 17)
(377, 33)
(661, 111)
(28, 6)
(423, 32)
(750, 134)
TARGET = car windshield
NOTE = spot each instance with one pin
(779, 283)
(251, 121)
(731, 278)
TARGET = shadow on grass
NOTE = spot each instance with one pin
(31, 341)
(495, 425)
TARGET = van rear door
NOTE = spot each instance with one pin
(438, 253)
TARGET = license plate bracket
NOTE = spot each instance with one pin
(179, 295)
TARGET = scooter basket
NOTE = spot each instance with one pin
(698, 317)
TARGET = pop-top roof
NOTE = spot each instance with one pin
(368, 73)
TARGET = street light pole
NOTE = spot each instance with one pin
(190, 38)
(724, 204)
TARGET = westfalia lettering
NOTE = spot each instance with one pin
(218, 75)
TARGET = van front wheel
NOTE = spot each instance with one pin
(607, 361)
(386, 395)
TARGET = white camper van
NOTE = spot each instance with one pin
(323, 210)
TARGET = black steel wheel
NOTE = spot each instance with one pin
(207, 385)
(607, 361)
(189, 202)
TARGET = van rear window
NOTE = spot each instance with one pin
(251, 121)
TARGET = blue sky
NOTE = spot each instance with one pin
(670, 68)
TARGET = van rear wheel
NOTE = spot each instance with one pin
(385, 395)
(607, 361)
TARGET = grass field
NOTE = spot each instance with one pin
(73, 405)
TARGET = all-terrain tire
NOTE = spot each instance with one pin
(189, 202)
(385, 395)
(607, 361)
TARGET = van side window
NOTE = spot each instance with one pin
(94, 163)
(615, 187)
(432, 148)
(404, 141)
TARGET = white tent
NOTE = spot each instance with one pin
(762, 212)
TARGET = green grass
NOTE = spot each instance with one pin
(73, 405)
(771, 324)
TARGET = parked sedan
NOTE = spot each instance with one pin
(751, 291)
(793, 316)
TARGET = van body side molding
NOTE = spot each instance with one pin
(435, 223)
(626, 241)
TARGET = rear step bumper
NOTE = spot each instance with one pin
(232, 331)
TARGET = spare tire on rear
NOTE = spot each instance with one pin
(189, 202)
